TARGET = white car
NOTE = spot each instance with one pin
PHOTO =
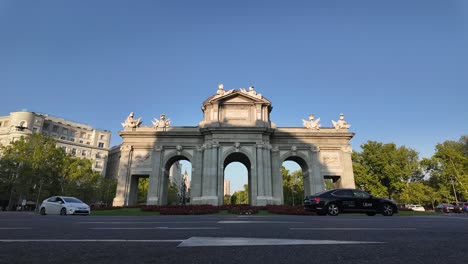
(64, 205)
(416, 207)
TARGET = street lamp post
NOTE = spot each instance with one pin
(454, 192)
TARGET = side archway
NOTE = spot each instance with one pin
(297, 187)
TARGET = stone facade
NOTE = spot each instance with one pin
(77, 139)
(236, 127)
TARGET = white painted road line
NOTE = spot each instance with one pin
(352, 228)
(257, 222)
(120, 223)
(153, 228)
(90, 240)
(241, 241)
(14, 228)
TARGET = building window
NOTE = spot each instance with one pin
(73, 151)
(64, 131)
(55, 129)
(83, 153)
(101, 145)
(64, 148)
(1, 123)
(83, 135)
(98, 155)
(81, 141)
(72, 139)
(46, 126)
(62, 137)
(5, 124)
(88, 143)
(89, 136)
(72, 133)
(101, 137)
(34, 129)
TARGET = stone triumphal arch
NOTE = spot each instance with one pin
(236, 127)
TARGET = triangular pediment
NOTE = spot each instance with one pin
(237, 96)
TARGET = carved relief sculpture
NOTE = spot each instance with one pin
(162, 122)
(341, 124)
(130, 122)
(312, 124)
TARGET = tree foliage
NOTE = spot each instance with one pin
(33, 167)
(384, 169)
(293, 186)
(447, 170)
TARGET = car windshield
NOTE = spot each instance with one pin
(71, 200)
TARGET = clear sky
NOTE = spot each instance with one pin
(398, 70)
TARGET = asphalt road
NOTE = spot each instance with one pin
(30, 238)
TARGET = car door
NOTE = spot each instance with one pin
(345, 199)
(364, 201)
(51, 205)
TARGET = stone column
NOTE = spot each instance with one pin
(267, 165)
(253, 179)
(347, 180)
(260, 175)
(123, 176)
(315, 176)
(155, 178)
(277, 178)
(197, 180)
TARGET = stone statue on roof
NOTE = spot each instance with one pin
(251, 92)
(341, 124)
(312, 124)
(130, 122)
(162, 122)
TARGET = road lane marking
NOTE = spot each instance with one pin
(353, 228)
(153, 228)
(241, 241)
(257, 222)
(120, 223)
(91, 240)
(14, 228)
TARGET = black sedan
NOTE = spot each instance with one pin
(333, 202)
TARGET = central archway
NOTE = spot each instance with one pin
(244, 160)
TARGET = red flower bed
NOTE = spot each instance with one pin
(288, 209)
(182, 209)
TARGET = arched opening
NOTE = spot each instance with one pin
(176, 181)
(138, 189)
(296, 180)
(237, 180)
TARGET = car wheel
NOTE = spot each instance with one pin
(42, 211)
(63, 211)
(387, 209)
(370, 213)
(333, 209)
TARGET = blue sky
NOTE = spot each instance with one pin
(398, 70)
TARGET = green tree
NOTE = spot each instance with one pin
(418, 193)
(143, 184)
(241, 197)
(447, 170)
(384, 169)
(293, 186)
(33, 167)
(28, 162)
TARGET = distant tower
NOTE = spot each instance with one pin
(175, 173)
(227, 187)
(186, 180)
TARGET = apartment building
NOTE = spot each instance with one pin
(78, 139)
